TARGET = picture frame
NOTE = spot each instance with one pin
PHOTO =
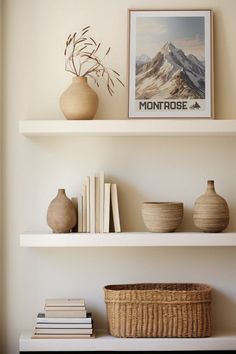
(170, 64)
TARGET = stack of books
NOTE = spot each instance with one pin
(64, 318)
(98, 209)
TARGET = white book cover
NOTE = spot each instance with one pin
(87, 182)
(84, 210)
(63, 331)
(97, 204)
(41, 318)
(63, 325)
(115, 207)
(101, 196)
(61, 336)
(107, 198)
(92, 204)
(80, 213)
(65, 302)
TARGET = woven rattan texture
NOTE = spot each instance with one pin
(159, 310)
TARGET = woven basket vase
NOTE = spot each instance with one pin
(159, 310)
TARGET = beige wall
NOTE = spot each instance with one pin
(144, 168)
(0, 175)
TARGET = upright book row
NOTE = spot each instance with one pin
(98, 209)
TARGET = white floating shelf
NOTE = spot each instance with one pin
(104, 342)
(128, 127)
(129, 239)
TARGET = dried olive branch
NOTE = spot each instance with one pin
(83, 59)
(72, 55)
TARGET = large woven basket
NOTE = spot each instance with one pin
(159, 310)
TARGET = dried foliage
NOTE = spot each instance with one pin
(83, 58)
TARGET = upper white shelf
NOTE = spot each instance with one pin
(128, 127)
(129, 239)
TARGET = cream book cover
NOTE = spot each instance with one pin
(87, 182)
(92, 204)
(65, 302)
(101, 196)
(97, 204)
(80, 213)
(107, 192)
(84, 209)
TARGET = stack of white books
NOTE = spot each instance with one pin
(64, 318)
(98, 208)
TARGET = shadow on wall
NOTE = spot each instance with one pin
(130, 203)
(187, 223)
(222, 304)
(130, 207)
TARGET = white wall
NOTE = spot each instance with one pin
(144, 168)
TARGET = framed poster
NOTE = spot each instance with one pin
(170, 64)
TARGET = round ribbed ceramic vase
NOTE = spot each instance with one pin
(61, 214)
(79, 101)
(162, 216)
(211, 212)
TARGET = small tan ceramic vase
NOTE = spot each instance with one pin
(211, 212)
(79, 101)
(61, 215)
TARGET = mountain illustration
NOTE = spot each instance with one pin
(195, 106)
(170, 75)
(142, 59)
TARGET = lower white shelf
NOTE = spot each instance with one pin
(105, 342)
(129, 239)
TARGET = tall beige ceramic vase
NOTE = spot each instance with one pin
(61, 214)
(211, 212)
(79, 101)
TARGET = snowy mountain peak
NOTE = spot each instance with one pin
(168, 47)
(195, 60)
(143, 59)
(171, 74)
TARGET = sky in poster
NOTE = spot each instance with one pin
(186, 33)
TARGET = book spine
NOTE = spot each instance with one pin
(65, 302)
(84, 210)
(63, 325)
(64, 308)
(107, 192)
(88, 203)
(97, 204)
(61, 336)
(63, 331)
(101, 196)
(115, 208)
(63, 320)
(92, 204)
(80, 214)
(59, 313)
